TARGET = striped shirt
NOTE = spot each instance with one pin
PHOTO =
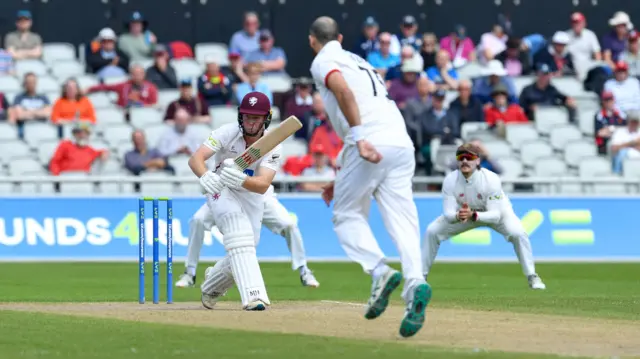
(6, 62)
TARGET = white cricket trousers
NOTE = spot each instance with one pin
(510, 227)
(390, 182)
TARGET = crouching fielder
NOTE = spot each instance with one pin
(276, 218)
(236, 201)
(473, 197)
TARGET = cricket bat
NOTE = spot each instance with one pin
(268, 142)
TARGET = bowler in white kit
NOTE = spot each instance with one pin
(236, 200)
(377, 160)
(473, 197)
(276, 218)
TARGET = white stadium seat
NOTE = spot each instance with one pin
(9, 84)
(58, 51)
(520, 82)
(549, 117)
(575, 150)
(142, 117)
(180, 164)
(187, 68)
(7, 131)
(46, 149)
(48, 84)
(550, 167)
(277, 83)
(12, 149)
(87, 80)
(560, 136)
(107, 116)
(153, 133)
(117, 133)
(594, 166)
(516, 134)
(586, 121)
(498, 149)
(166, 96)
(631, 168)
(221, 115)
(100, 100)
(36, 132)
(294, 147)
(470, 127)
(217, 52)
(25, 66)
(511, 167)
(533, 150)
(64, 70)
(21, 166)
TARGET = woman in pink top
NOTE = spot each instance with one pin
(459, 47)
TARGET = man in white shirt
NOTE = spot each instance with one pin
(181, 138)
(473, 197)
(625, 89)
(584, 46)
(377, 160)
(625, 141)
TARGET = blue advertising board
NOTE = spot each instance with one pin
(105, 228)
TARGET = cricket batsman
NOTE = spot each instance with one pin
(276, 218)
(236, 200)
(377, 160)
(473, 197)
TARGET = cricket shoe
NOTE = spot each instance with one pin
(256, 305)
(209, 300)
(535, 282)
(415, 313)
(308, 279)
(381, 289)
(186, 281)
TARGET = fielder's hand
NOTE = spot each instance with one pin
(327, 193)
(368, 152)
(211, 183)
(231, 176)
(464, 213)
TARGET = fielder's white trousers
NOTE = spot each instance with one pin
(276, 218)
(510, 227)
(390, 182)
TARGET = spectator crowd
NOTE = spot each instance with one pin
(426, 75)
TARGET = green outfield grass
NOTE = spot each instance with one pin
(584, 290)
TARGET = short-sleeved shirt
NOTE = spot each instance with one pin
(29, 102)
(380, 118)
(194, 106)
(434, 74)
(583, 46)
(20, 41)
(378, 61)
(227, 142)
(612, 43)
(275, 54)
(244, 43)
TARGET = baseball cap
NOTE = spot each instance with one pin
(317, 148)
(81, 126)
(266, 34)
(621, 66)
(255, 103)
(561, 37)
(234, 54)
(160, 49)
(107, 34)
(607, 95)
(370, 21)
(499, 88)
(577, 17)
(460, 31)
(185, 83)
(468, 148)
(24, 14)
(409, 20)
(440, 93)
(544, 68)
(136, 16)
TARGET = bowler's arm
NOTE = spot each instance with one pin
(261, 181)
(344, 96)
(198, 160)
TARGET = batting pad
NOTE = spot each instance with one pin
(239, 242)
(220, 279)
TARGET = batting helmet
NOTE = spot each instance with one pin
(255, 103)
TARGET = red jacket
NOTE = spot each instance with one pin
(128, 96)
(513, 114)
(325, 135)
(71, 157)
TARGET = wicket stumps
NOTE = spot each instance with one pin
(156, 249)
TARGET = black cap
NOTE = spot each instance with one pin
(266, 34)
(370, 21)
(24, 14)
(544, 68)
(185, 82)
(409, 20)
(440, 93)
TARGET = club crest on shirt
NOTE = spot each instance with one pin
(461, 194)
(216, 196)
(479, 196)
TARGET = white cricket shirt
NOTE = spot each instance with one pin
(482, 192)
(381, 120)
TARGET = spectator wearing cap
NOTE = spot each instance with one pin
(136, 92)
(214, 87)
(584, 46)
(312, 119)
(429, 50)
(23, 43)
(406, 86)
(181, 138)
(408, 35)
(468, 108)
(273, 59)
(500, 113)
(235, 71)
(253, 83)
(246, 41)
(198, 111)
(557, 55)
(368, 41)
(139, 41)
(543, 93)
(408, 53)
(417, 106)
(144, 159)
(30, 105)
(108, 61)
(76, 155)
(325, 135)
(625, 89)
(515, 61)
(532, 44)
(606, 121)
(383, 59)
(615, 42)
(491, 75)
(72, 105)
(625, 141)
(320, 169)
(492, 43)
(460, 47)
(443, 74)
(161, 73)
(632, 55)
(437, 122)
(301, 101)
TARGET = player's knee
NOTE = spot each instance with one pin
(196, 221)
(236, 231)
(432, 231)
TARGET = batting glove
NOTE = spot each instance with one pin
(231, 176)
(211, 183)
